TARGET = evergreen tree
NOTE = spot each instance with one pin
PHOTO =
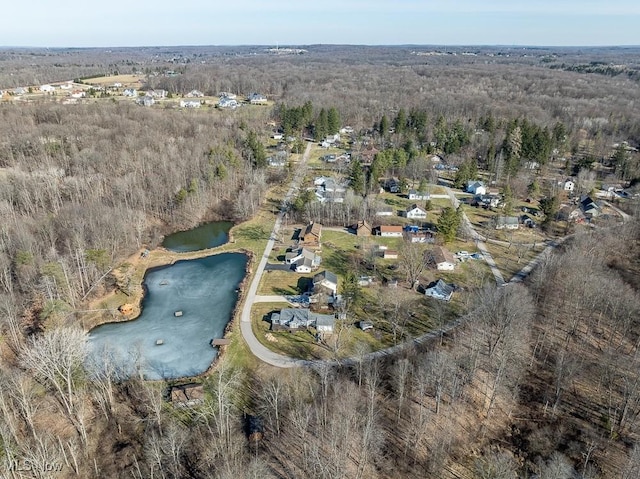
(321, 127)
(357, 177)
(449, 222)
(400, 122)
(333, 121)
(383, 128)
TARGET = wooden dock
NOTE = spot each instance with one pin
(220, 342)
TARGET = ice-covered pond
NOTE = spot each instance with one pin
(203, 291)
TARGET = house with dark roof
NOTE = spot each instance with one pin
(589, 207)
(310, 236)
(440, 290)
(362, 228)
(442, 259)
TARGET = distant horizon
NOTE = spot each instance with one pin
(303, 45)
(580, 23)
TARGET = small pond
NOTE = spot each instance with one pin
(204, 293)
(207, 235)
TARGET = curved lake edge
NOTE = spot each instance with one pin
(138, 296)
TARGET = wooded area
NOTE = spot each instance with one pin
(540, 378)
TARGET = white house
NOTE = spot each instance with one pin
(443, 259)
(47, 88)
(257, 99)
(145, 100)
(414, 212)
(190, 104)
(476, 187)
(226, 102)
(78, 94)
(440, 290)
(568, 185)
(129, 92)
(391, 231)
(507, 222)
(296, 318)
(226, 94)
(418, 195)
(195, 94)
(327, 280)
(384, 211)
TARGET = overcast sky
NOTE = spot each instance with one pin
(47, 23)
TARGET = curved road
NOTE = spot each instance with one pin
(279, 360)
(260, 351)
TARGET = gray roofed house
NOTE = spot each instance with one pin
(297, 318)
(507, 222)
(440, 290)
(327, 280)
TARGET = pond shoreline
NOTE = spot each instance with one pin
(159, 258)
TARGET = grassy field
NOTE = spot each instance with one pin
(126, 80)
(511, 259)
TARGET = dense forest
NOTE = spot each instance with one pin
(540, 380)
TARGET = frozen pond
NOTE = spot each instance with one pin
(204, 289)
(208, 235)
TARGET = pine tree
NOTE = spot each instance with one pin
(357, 177)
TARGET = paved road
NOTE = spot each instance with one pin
(471, 232)
(260, 351)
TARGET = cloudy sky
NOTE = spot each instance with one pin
(299, 22)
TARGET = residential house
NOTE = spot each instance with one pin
(476, 187)
(195, 94)
(325, 281)
(589, 207)
(310, 236)
(66, 86)
(277, 161)
(416, 195)
(47, 88)
(158, 94)
(78, 94)
(392, 185)
(331, 191)
(257, 99)
(226, 102)
(440, 290)
(389, 254)
(571, 214)
(391, 231)
(145, 100)
(384, 211)
(130, 92)
(419, 236)
(362, 228)
(365, 281)
(226, 94)
(568, 185)
(301, 318)
(20, 91)
(277, 136)
(526, 220)
(190, 104)
(442, 258)
(302, 260)
(507, 222)
(415, 212)
(487, 201)
(346, 130)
